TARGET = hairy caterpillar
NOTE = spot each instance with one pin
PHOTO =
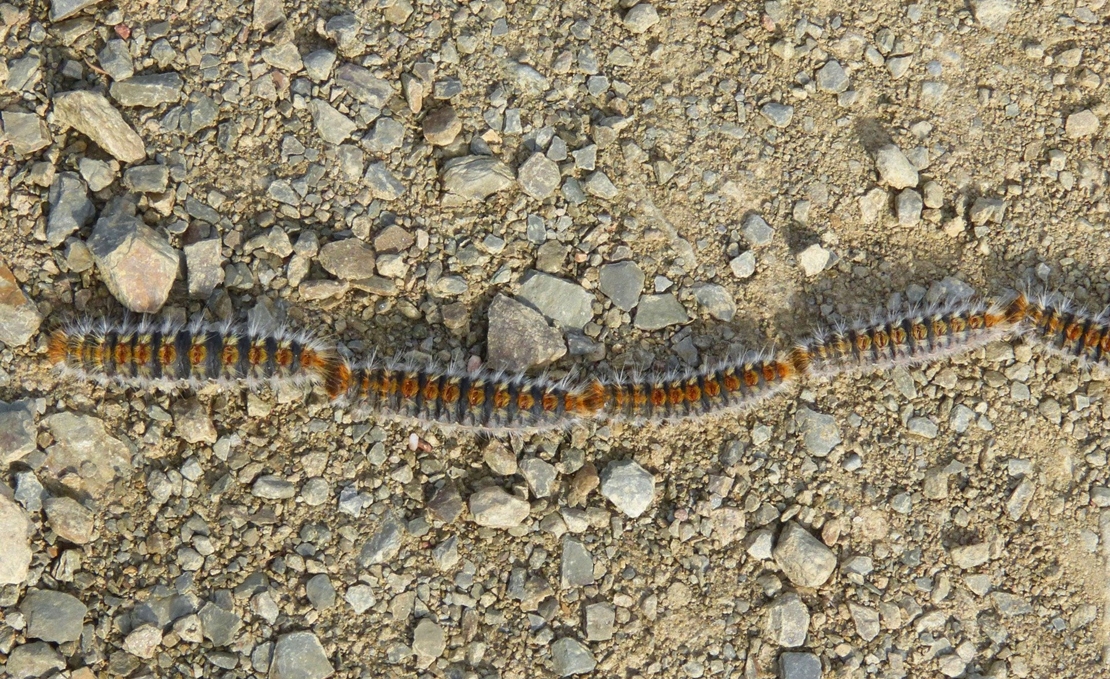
(168, 353)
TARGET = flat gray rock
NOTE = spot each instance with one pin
(428, 639)
(820, 432)
(640, 17)
(70, 520)
(539, 176)
(539, 475)
(53, 616)
(570, 656)
(476, 177)
(332, 126)
(320, 592)
(623, 283)
(384, 545)
(204, 262)
(777, 114)
(82, 442)
(756, 230)
(600, 620)
(26, 132)
(285, 57)
(630, 487)
(382, 183)
(37, 659)
(19, 317)
(656, 312)
(271, 487)
(832, 78)
(70, 207)
(318, 64)
(146, 178)
(800, 666)
(363, 85)
(716, 300)
(387, 136)
(300, 655)
(743, 265)
(895, 169)
(520, 338)
(442, 126)
(149, 90)
(136, 263)
(788, 620)
(804, 559)
(98, 173)
(577, 564)
(348, 259)
(568, 304)
(64, 9)
(15, 535)
(115, 59)
(866, 620)
(598, 184)
(17, 430)
(93, 115)
(198, 114)
(495, 508)
(219, 626)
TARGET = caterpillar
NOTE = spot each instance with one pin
(147, 353)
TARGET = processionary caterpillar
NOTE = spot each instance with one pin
(147, 353)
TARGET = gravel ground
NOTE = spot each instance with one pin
(619, 185)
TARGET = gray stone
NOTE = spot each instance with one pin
(799, 666)
(814, 259)
(568, 304)
(1011, 605)
(577, 565)
(93, 115)
(23, 74)
(348, 259)
(19, 317)
(146, 178)
(382, 183)
(332, 126)
(476, 177)
(204, 261)
(630, 487)
(1081, 124)
(656, 312)
(493, 507)
(53, 616)
(220, 626)
(300, 655)
(570, 657)
(993, 14)
(428, 639)
(26, 132)
(82, 443)
(756, 230)
(804, 559)
(743, 265)
(70, 520)
(136, 263)
(539, 176)
(442, 126)
(15, 535)
(318, 64)
(777, 114)
(315, 491)
(97, 173)
(363, 85)
(143, 641)
(282, 191)
(17, 430)
(908, 206)
(895, 169)
(820, 432)
(37, 659)
(716, 300)
(385, 544)
(539, 475)
(198, 114)
(387, 136)
(320, 591)
(985, 210)
(267, 14)
(866, 619)
(446, 505)
(923, 427)
(832, 78)
(64, 9)
(284, 56)
(788, 620)
(148, 91)
(520, 338)
(271, 487)
(970, 556)
(622, 282)
(600, 619)
(598, 184)
(640, 18)
(360, 597)
(115, 59)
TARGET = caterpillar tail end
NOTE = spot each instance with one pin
(57, 349)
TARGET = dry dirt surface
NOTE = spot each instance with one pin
(621, 186)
